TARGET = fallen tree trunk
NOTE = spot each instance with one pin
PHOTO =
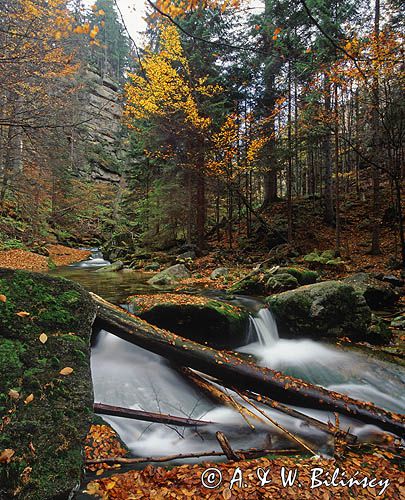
(219, 396)
(235, 372)
(242, 454)
(159, 418)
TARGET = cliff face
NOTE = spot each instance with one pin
(101, 135)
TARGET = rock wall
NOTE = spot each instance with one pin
(101, 134)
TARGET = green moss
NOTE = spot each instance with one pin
(57, 419)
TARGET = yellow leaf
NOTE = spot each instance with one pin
(43, 338)
(110, 485)
(66, 371)
(13, 394)
(29, 399)
(5, 456)
(23, 314)
(3, 298)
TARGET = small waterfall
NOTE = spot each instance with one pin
(263, 327)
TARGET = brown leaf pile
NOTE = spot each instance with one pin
(145, 302)
(184, 482)
(30, 261)
(63, 256)
(103, 442)
(22, 259)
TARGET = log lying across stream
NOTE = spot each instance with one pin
(147, 416)
(236, 372)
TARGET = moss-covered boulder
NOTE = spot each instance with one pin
(170, 276)
(325, 260)
(281, 282)
(250, 285)
(378, 294)
(111, 268)
(302, 275)
(46, 394)
(328, 309)
(205, 320)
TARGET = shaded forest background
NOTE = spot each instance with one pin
(237, 131)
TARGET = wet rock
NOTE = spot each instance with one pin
(155, 266)
(219, 272)
(328, 309)
(393, 280)
(378, 294)
(379, 331)
(250, 285)
(51, 411)
(202, 319)
(170, 276)
(281, 282)
(112, 268)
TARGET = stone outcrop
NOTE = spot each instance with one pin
(100, 141)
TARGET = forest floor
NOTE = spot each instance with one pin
(58, 255)
(186, 481)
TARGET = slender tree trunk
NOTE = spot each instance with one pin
(327, 159)
(375, 239)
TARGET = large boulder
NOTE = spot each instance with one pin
(378, 294)
(170, 276)
(328, 309)
(46, 395)
(302, 275)
(281, 282)
(202, 319)
(253, 284)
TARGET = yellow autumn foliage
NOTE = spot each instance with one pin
(166, 88)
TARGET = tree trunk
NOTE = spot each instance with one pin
(235, 372)
(146, 416)
(327, 159)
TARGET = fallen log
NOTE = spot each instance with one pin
(160, 418)
(242, 454)
(235, 372)
(328, 429)
(219, 396)
(350, 438)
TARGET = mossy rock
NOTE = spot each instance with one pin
(205, 320)
(329, 309)
(378, 294)
(170, 276)
(252, 285)
(326, 259)
(302, 275)
(281, 282)
(47, 433)
(379, 331)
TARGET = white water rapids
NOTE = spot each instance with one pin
(126, 375)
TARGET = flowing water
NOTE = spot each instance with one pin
(129, 376)
(115, 287)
